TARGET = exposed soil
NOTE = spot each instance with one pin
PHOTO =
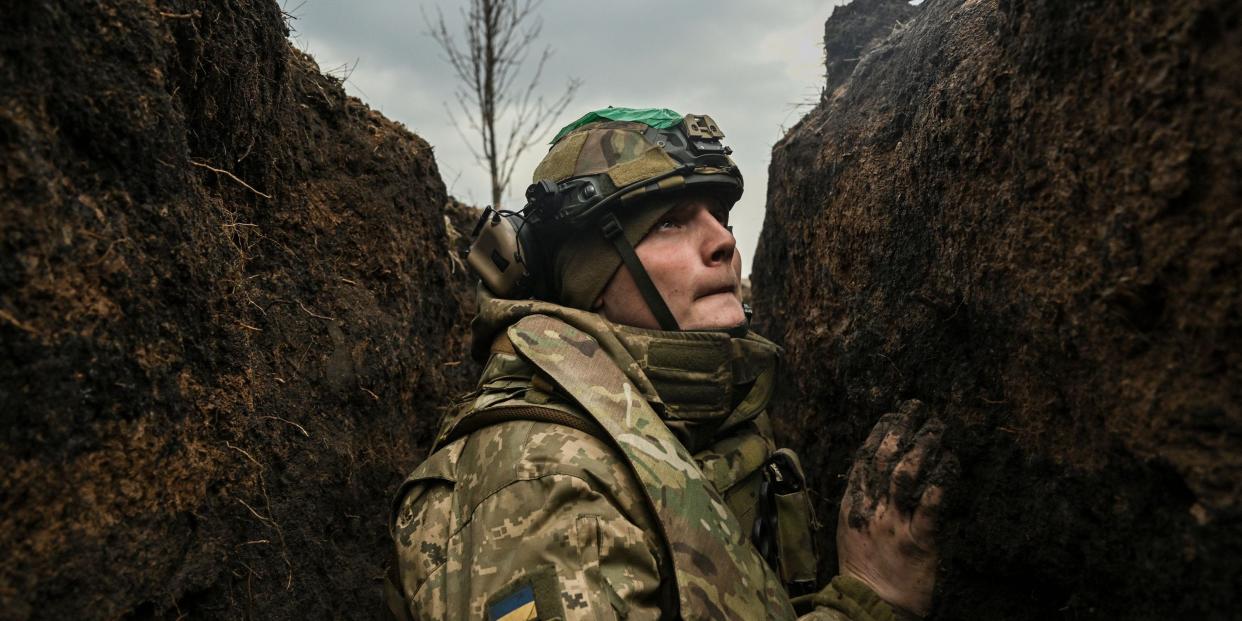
(228, 317)
(1026, 214)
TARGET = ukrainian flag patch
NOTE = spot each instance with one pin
(517, 606)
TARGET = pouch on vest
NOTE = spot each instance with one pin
(785, 525)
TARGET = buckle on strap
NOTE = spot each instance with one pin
(611, 228)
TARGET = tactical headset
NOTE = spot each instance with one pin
(511, 251)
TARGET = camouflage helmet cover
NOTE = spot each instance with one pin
(616, 152)
(625, 152)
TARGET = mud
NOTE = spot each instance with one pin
(1025, 213)
(228, 317)
(902, 457)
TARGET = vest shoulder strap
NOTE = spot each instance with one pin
(479, 419)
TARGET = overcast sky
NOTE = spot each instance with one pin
(755, 67)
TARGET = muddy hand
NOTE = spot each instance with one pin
(887, 525)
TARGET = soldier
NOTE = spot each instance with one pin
(617, 459)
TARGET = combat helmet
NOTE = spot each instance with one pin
(605, 180)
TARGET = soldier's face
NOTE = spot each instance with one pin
(693, 260)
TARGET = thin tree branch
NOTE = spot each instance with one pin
(487, 57)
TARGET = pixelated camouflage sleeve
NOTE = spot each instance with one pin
(544, 541)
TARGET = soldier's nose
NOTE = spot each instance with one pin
(720, 243)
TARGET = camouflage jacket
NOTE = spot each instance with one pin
(525, 518)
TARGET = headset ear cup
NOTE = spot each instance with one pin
(495, 256)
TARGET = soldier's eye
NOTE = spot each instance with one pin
(666, 224)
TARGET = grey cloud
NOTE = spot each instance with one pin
(693, 56)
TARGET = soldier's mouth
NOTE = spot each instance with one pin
(729, 288)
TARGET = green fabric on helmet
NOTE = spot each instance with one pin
(585, 262)
(659, 118)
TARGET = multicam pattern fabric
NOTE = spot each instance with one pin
(719, 575)
(618, 148)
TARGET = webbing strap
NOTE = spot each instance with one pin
(614, 233)
(501, 414)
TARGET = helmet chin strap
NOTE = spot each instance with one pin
(613, 232)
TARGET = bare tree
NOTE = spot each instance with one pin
(498, 38)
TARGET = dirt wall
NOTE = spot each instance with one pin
(228, 317)
(1026, 214)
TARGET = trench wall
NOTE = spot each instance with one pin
(228, 317)
(1026, 214)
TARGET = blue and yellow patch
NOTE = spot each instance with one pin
(517, 606)
(532, 595)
